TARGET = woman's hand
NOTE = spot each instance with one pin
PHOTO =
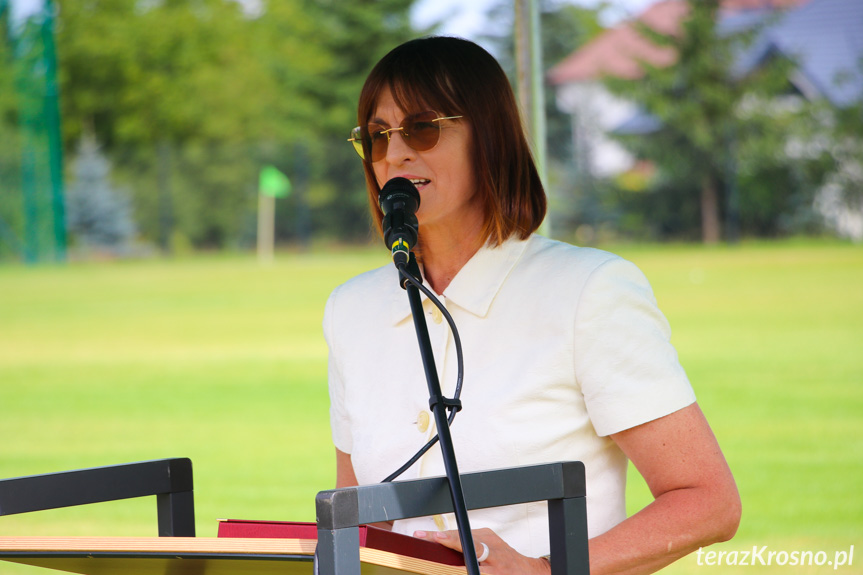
(501, 560)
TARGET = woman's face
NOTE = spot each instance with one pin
(443, 175)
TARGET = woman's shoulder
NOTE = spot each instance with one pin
(367, 281)
(553, 266)
(368, 287)
(568, 259)
(360, 300)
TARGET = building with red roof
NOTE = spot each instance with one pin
(823, 37)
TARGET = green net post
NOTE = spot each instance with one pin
(52, 125)
(41, 186)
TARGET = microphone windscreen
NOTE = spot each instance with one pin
(399, 190)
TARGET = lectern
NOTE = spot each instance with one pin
(340, 512)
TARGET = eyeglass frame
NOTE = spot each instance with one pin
(400, 128)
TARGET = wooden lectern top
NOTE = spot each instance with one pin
(195, 556)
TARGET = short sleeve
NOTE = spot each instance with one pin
(339, 422)
(627, 369)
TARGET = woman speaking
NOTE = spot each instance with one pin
(566, 355)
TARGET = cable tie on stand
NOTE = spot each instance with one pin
(453, 404)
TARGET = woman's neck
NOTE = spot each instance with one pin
(444, 254)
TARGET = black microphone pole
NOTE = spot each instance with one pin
(438, 405)
(400, 235)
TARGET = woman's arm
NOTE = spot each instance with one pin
(345, 476)
(695, 498)
(695, 503)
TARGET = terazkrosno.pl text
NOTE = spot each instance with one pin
(758, 556)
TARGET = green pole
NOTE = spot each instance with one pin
(41, 153)
(53, 127)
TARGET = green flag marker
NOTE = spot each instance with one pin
(273, 183)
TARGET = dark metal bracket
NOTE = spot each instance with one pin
(170, 480)
(341, 511)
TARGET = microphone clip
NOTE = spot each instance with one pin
(412, 269)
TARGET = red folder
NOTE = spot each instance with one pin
(371, 537)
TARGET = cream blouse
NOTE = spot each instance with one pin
(563, 346)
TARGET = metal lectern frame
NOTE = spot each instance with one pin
(170, 480)
(340, 512)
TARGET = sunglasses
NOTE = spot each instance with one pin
(419, 131)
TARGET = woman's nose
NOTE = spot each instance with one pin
(398, 149)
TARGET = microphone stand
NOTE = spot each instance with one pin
(438, 405)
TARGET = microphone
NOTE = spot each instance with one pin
(399, 201)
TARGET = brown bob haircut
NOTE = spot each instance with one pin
(456, 77)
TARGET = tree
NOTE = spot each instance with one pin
(565, 27)
(10, 157)
(176, 93)
(838, 143)
(708, 116)
(98, 214)
(328, 178)
(191, 97)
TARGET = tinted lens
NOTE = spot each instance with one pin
(420, 131)
(375, 140)
(356, 140)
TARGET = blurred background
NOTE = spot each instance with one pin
(131, 129)
(177, 200)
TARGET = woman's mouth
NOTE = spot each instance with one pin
(419, 182)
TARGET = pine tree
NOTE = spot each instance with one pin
(98, 215)
(707, 114)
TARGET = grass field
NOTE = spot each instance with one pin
(221, 360)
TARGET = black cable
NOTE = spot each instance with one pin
(460, 368)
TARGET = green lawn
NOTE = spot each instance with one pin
(221, 360)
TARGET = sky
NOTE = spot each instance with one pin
(466, 18)
(20, 9)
